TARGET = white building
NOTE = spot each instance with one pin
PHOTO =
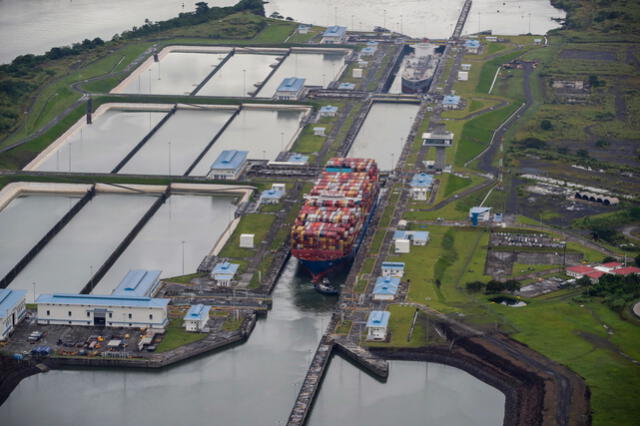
(377, 325)
(224, 272)
(357, 73)
(95, 310)
(420, 186)
(334, 35)
(402, 245)
(229, 165)
(418, 238)
(472, 46)
(12, 310)
(386, 288)
(463, 75)
(319, 131)
(246, 240)
(393, 269)
(139, 282)
(465, 67)
(443, 138)
(197, 317)
(328, 111)
(479, 214)
(291, 89)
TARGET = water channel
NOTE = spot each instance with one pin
(173, 148)
(24, 221)
(384, 143)
(100, 146)
(240, 76)
(176, 239)
(262, 132)
(255, 383)
(69, 260)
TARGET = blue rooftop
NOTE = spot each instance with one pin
(9, 299)
(451, 100)
(472, 43)
(298, 158)
(421, 180)
(327, 109)
(393, 265)
(346, 86)
(230, 159)
(386, 286)
(291, 84)
(479, 210)
(225, 268)
(378, 319)
(96, 300)
(138, 282)
(368, 51)
(372, 43)
(420, 236)
(197, 312)
(271, 194)
(335, 31)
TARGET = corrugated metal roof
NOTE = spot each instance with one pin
(335, 31)
(138, 282)
(386, 286)
(96, 300)
(421, 180)
(9, 299)
(230, 159)
(225, 268)
(328, 109)
(197, 312)
(392, 264)
(378, 319)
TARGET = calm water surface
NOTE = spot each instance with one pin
(240, 76)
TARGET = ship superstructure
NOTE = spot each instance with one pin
(419, 68)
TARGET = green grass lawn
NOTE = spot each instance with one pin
(399, 324)
(176, 336)
(455, 184)
(253, 223)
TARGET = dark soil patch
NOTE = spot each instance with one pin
(621, 152)
(592, 55)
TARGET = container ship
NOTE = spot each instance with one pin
(419, 68)
(332, 222)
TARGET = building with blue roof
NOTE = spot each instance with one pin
(229, 165)
(479, 214)
(418, 238)
(196, 317)
(367, 51)
(420, 185)
(334, 34)
(291, 89)
(346, 86)
(12, 310)
(328, 111)
(138, 282)
(472, 46)
(393, 269)
(95, 310)
(296, 158)
(386, 288)
(224, 272)
(451, 102)
(377, 325)
(271, 196)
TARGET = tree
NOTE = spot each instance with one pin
(512, 285)
(637, 260)
(546, 125)
(583, 153)
(475, 286)
(201, 8)
(608, 259)
(494, 286)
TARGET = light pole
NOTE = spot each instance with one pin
(384, 18)
(169, 143)
(182, 257)
(34, 292)
(244, 82)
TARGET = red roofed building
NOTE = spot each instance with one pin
(579, 271)
(594, 275)
(612, 265)
(627, 271)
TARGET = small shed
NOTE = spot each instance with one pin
(299, 159)
(386, 288)
(271, 196)
(465, 67)
(246, 240)
(463, 75)
(197, 317)
(402, 224)
(472, 46)
(393, 269)
(357, 73)
(377, 325)
(451, 102)
(224, 272)
(402, 245)
(319, 131)
(346, 86)
(328, 111)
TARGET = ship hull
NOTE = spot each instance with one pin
(319, 268)
(415, 86)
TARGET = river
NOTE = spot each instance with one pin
(35, 26)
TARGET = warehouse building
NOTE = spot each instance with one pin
(197, 317)
(229, 165)
(95, 310)
(12, 310)
(291, 89)
(377, 325)
(139, 282)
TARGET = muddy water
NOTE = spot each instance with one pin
(316, 68)
(71, 257)
(384, 133)
(99, 147)
(198, 220)
(178, 73)
(262, 132)
(240, 76)
(24, 221)
(173, 148)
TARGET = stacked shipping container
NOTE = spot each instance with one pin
(334, 215)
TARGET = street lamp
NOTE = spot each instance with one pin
(244, 82)
(182, 257)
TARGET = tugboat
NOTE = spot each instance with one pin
(325, 287)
